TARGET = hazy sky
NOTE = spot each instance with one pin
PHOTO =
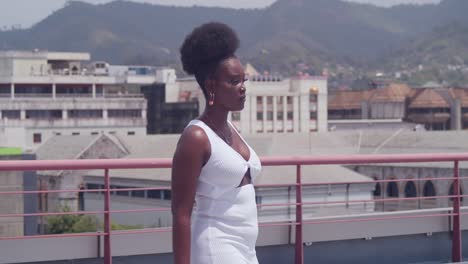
(28, 12)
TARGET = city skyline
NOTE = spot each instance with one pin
(15, 13)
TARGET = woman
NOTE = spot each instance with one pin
(213, 199)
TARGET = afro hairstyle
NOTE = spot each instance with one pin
(205, 47)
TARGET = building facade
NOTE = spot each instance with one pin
(273, 104)
(62, 93)
(433, 108)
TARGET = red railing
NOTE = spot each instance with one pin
(298, 162)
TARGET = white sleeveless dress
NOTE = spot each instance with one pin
(224, 220)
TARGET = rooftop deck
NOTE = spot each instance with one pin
(409, 236)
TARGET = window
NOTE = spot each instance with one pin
(377, 190)
(259, 115)
(94, 133)
(279, 115)
(43, 114)
(270, 115)
(269, 100)
(85, 113)
(37, 138)
(11, 114)
(138, 193)
(122, 193)
(166, 194)
(429, 189)
(312, 97)
(289, 100)
(258, 200)
(392, 189)
(452, 192)
(58, 133)
(119, 113)
(290, 115)
(313, 115)
(93, 186)
(235, 116)
(259, 100)
(131, 133)
(410, 189)
(154, 194)
(75, 133)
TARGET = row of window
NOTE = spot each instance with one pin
(428, 110)
(58, 114)
(149, 194)
(280, 115)
(410, 190)
(46, 89)
(37, 137)
(279, 99)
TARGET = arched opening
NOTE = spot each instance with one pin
(452, 192)
(392, 189)
(410, 189)
(429, 189)
(429, 192)
(377, 190)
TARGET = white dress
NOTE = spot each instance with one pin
(224, 220)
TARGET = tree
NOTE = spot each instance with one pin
(63, 224)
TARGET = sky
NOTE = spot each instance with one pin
(25, 13)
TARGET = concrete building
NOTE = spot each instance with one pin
(433, 108)
(72, 147)
(273, 105)
(418, 238)
(162, 146)
(62, 93)
(349, 142)
(11, 181)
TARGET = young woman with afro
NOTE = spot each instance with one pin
(213, 199)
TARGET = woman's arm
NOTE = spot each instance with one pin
(190, 155)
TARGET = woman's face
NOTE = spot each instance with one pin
(229, 87)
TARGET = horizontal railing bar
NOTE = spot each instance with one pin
(142, 231)
(256, 186)
(375, 219)
(54, 214)
(386, 199)
(87, 164)
(84, 164)
(54, 236)
(86, 190)
(381, 181)
(362, 159)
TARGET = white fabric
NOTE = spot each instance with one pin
(224, 220)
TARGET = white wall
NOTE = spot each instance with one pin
(12, 136)
(6, 67)
(30, 67)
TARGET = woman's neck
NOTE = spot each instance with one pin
(216, 117)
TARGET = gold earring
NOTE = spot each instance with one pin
(211, 102)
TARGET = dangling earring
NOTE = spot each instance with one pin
(211, 102)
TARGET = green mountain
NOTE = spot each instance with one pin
(316, 33)
(444, 45)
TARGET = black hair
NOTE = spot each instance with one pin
(205, 47)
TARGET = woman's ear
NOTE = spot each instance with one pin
(210, 86)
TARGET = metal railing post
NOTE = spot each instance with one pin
(107, 220)
(456, 232)
(299, 256)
